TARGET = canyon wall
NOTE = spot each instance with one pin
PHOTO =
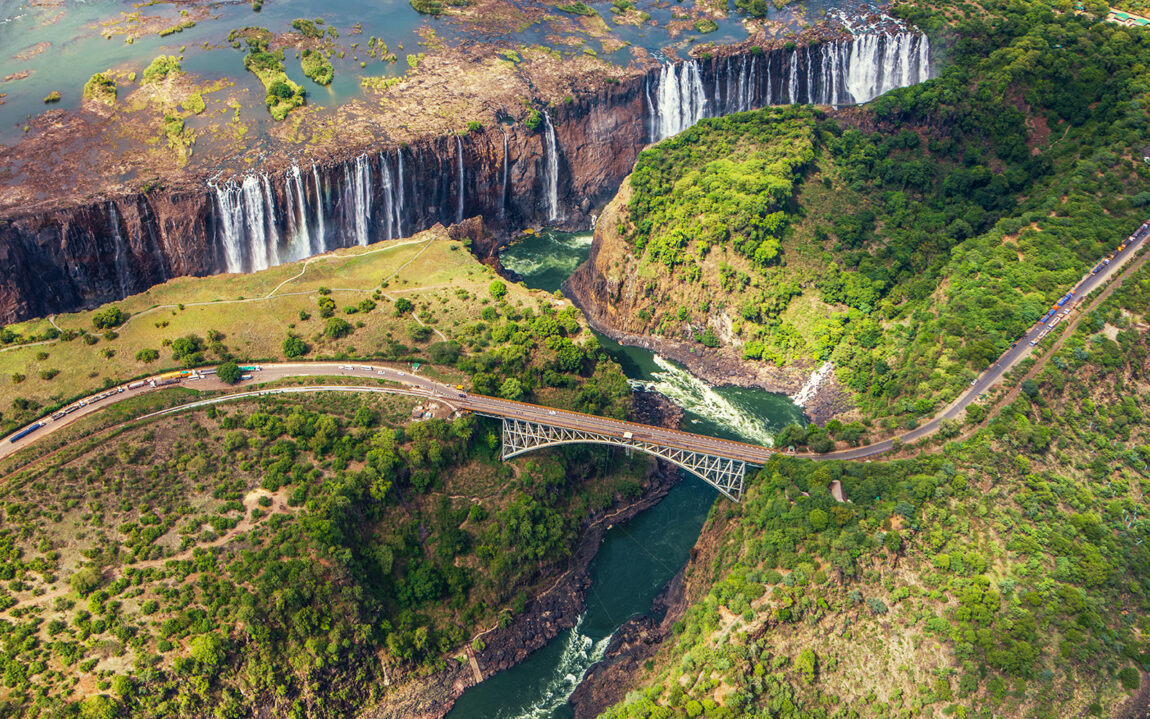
(557, 173)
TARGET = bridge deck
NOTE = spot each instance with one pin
(496, 407)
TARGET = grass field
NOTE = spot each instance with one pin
(254, 314)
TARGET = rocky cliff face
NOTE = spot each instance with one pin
(571, 162)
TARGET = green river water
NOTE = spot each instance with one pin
(638, 557)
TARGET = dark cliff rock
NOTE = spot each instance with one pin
(70, 259)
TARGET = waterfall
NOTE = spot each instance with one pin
(811, 386)
(682, 100)
(399, 199)
(388, 200)
(319, 244)
(357, 189)
(230, 212)
(121, 264)
(594, 219)
(793, 94)
(301, 239)
(551, 169)
(879, 63)
(273, 231)
(459, 178)
(253, 224)
(506, 176)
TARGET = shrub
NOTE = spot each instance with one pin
(147, 356)
(337, 327)
(534, 120)
(307, 28)
(47, 374)
(85, 581)
(576, 8)
(403, 305)
(101, 87)
(52, 97)
(497, 289)
(195, 103)
(108, 318)
(1129, 678)
(161, 67)
(317, 67)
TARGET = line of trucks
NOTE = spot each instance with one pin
(1061, 308)
(163, 380)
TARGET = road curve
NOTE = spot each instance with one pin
(404, 382)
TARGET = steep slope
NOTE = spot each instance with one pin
(1005, 575)
(928, 230)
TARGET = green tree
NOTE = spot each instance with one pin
(229, 372)
(294, 347)
(511, 389)
(498, 289)
(108, 318)
(337, 327)
(402, 306)
(807, 664)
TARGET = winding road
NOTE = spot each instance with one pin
(399, 381)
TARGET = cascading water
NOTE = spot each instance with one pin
(691, 393)
(319, 242)
(300, 237)
(459, 179)
(399, 197)
(551, 169)
(254, 225)
(261, 220)
(118, 255)
(506, 175)
(811, 386)
(681, 99)
(839, 72)
(230, 212)
(388, 192)
(273, 237)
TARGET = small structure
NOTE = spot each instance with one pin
(1146, 154)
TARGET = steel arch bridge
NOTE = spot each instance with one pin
(724, 474)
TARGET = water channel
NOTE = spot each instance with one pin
(637, 558)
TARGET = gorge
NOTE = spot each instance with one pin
(558, 173)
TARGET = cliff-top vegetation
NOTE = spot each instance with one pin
(926, 231)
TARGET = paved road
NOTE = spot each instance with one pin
(405, 382)
(1009, 359)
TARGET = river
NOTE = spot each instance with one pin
(638, 557)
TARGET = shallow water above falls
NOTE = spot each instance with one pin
(637, 558)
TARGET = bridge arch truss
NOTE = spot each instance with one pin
(724, 474)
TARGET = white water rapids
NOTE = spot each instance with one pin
(693, 395)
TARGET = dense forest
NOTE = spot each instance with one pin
(1004, 575)
(337, 544)
(926, 231)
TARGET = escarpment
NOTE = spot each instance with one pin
(552, 165)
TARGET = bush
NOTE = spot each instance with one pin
(1129, 678)
(576, 8)
(337, 327)
(85, 581)
(497, 289)
(147, 356)
(161, 67)
(108, 318)
(403, 305)
(101, 87)
(317, 67)
(534, 120)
